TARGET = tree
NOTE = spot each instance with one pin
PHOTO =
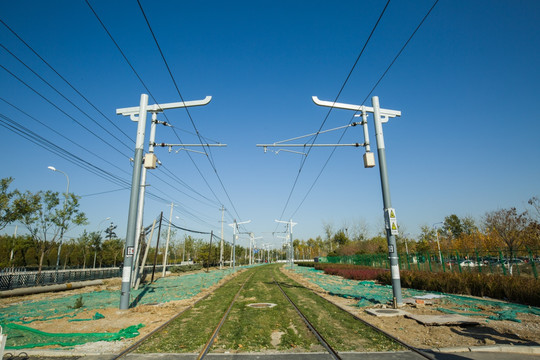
(340, 238)
(329, 232)
(452, 226)
(95, 242)
(84, 243)
(11, 208)
(46, 218)
(112, 249)
(508, 225)
(534, 202)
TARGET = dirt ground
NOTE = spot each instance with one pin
(152, 316)
(408, 330)
(527, 332)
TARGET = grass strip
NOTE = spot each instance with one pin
(278, 328)
(190, 332)
(342, 331)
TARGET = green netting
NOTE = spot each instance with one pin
(23, 337)
(163, 290)
(96, 316)
(368, 294)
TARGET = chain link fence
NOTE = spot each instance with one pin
(20, 278)
(522, 263)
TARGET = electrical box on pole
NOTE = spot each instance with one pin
(369, 160)
(150, 161)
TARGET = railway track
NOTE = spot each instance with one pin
(321, 339)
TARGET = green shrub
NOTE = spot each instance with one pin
(512, 288)
(185, 268)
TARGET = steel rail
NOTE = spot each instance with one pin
(318, 335)
(210, 342)
(134, 346)
(401, 342)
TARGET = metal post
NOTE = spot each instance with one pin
(234, 247)
(142, 191)
(210, 251)
(131, 233)
(221, 242)
(234, 225)
(391, 239)
(167, 243)
(157, 247)
(292, 244)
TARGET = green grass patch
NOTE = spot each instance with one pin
(259, 329)
(342, 331)
(278, 328)
(190, 331)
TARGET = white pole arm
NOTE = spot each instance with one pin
(361, 108)
(160, 107)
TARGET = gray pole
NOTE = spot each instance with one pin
(391, 239)
(131, 233)
(221, 242)
(167, 244)
(292, 245)
(234, 247)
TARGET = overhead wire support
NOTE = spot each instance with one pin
(199, 136)
(380, 116)
(138, 114)
(152, 96)
(284, 143)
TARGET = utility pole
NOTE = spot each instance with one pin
(167, 243)
(138, 114)
(221, 242)
(148, 163)
(251, 246)
(234, 225)
(290, 225)
(133, 202)
(380, 116)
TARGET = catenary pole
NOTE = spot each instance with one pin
(388, 210)
(290, 225)
(142, 192)
(167, 243)
(221, 242)
(131, 233)
(234, 225)
(132, 230)
(380, 116)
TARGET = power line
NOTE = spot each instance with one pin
(365, 99)
(65, 80)
(210, 160)
(65, 98)
(62, 111)
(400, 51)
(104, 192)
(146, 87)
(37, 139)
(330, 109)
(60, 134)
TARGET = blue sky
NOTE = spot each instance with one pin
(467, 86)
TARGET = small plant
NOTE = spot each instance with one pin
(79, 303)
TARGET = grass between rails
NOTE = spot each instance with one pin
(190, 331)
(342, 331)
(260, 329)
(265, 329)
